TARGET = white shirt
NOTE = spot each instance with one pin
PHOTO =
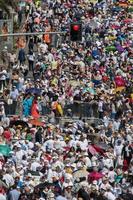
(106, 121)
(3, 75)
(43, 48)
(14, 94)
(49, 143)
(108, 162)
(100, 106)
(9, 180)
(118, 150)
(109, 196)
(19, 155)
(84, 144)
(111, 176)
(34, 166)
(1, 130)
(2, 197)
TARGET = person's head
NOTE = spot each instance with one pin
(13, 88)
(111, 168)
(17, 178)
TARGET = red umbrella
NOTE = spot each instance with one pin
(29, 1)
(92, 150)
(115, 26)
(95, 176)
(128, 20)
(36, 122)
(98, 149)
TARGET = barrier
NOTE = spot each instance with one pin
(77, 109)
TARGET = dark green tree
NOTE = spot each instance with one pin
(7, 5)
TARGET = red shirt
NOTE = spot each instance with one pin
(119, 81)
(7, 135)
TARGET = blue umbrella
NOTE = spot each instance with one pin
(34, 91)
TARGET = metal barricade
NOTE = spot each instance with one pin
(81, 109)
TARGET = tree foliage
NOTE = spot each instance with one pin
(7, 5)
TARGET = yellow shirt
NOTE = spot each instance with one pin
(54, 65)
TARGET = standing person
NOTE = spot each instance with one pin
(46, 37)
(4, 30)
(14, 96)
(2, 110)
(100, 108)
(12, 59)
(21, 56)
(38, 136)
(14, 193)
(3, 74)
(127, 153)
(15, 78)
(4, 54)
(35, 109)
(31, 58)
(31, 44)
(27, 103)
(20, 15)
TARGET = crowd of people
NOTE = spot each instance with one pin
(49, 75)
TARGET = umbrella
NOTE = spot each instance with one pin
(119, 48)
(5, 150)
(110, 48)
(41, 186)
(19, 122)
(95, 176)
(92, 150)
(123, 4)
(128, 20)
(36, 122)
(33, 91)
(98, 149)
(103, 146)
(2, 184)
(80, 174)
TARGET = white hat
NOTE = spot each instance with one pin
(19, 166)
(70, 184)
(68, 176)
(94, 158)
(94, 182)
(18, 145)
(73, 165)
(29, 175)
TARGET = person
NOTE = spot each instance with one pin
(127, 153)
(31, 44)
(27, 104)
(21, 56)
(31, 58)
(39, 136)
(80, 153)
(14, 194)
(2, 111)
(14, 97)
(3, 74)
(35, 109)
